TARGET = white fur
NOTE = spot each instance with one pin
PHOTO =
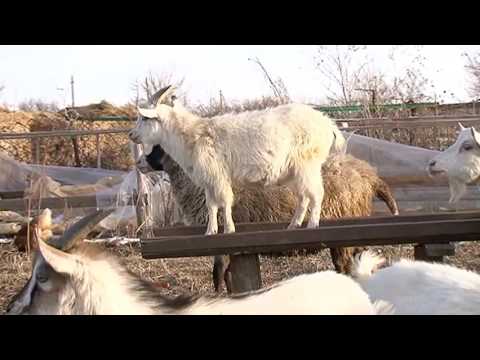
(322, 293)
(420, 288)
(284, 145)
(98, 284)
(461, 164)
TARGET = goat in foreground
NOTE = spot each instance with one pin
(419, 288)
(286, 145)
(72, 277)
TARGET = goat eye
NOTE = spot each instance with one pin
(467, 147)
(42, 278)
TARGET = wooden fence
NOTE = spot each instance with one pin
(432, 235)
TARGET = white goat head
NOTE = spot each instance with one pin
(148, 124)
(460, 162)
(51, 288)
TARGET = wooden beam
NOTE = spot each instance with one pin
(327, 236)
(54, 133)
(252, 227)
(11, 194)
(51, 203)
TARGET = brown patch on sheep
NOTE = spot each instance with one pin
(350, 187)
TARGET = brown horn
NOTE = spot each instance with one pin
(79, 230)
(154, 98)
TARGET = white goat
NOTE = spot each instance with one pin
(71, 277)
(286, 145)
(460, 162)
(419, 288)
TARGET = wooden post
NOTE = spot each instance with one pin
(76, 152)
(99, 154)
(244, 273)
(37, 151)
(433, 252)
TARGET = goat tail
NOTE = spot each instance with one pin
(382, 307)
(383, 192)
(365, 264)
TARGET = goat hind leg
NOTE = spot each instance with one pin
(212, 208)
(229, 225)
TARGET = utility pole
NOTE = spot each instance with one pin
(73, 92)
(76, 147)
(221, 100)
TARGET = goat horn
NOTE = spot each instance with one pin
(154, 98)
(79, 230)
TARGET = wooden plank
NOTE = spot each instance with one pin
(11, 194)
(52, 203)
(410, 119)
(327, 236)
(252, 227)
(37, 151)
(244, 273)
(53, 133)
(99, 151)
(409, 125)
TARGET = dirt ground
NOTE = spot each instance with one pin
(194, 274)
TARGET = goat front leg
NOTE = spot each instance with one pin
(212, 209)
(300, 212)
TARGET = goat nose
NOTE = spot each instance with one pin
(432, 163)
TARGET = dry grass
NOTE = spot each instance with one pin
(194, 274)
(59, 150)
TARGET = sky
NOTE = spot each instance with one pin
(108, 72)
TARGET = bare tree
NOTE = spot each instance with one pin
(38, 105)
(473, 69)
(151, 84)
(341, 66)
(278, 86)
(351, 79)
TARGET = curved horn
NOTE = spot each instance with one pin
(155, 97)
(461, 126)
(79, 230)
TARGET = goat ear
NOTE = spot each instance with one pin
(60, 261)
(147, 113)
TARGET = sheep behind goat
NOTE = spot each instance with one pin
(286, 145)
(350, 186)
(419, 288)
(72, 277)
